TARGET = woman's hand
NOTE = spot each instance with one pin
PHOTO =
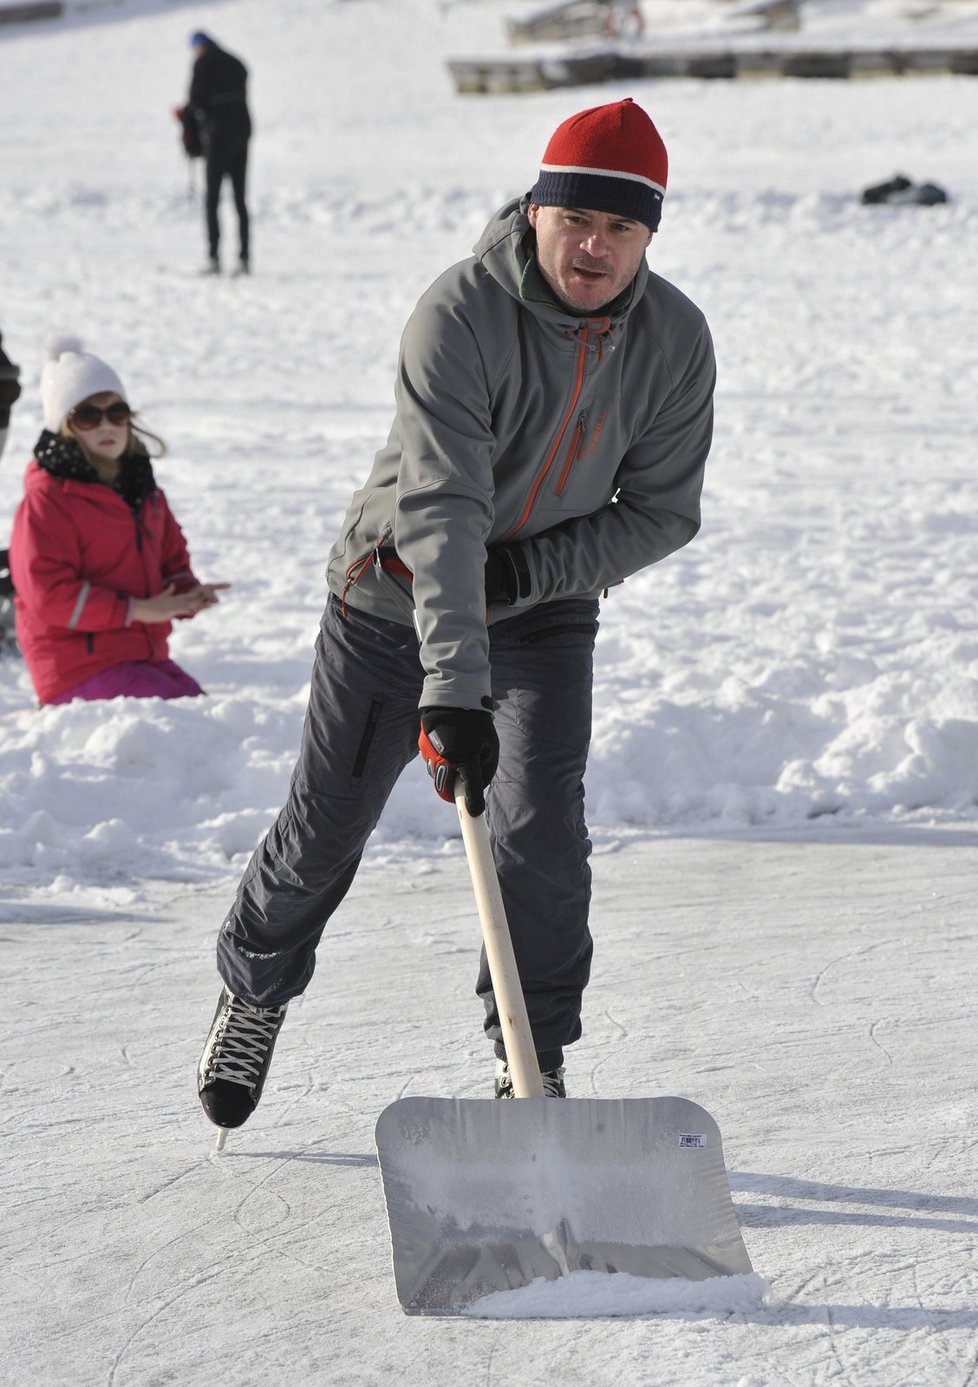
(170, 605)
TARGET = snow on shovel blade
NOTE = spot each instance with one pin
(487, 1195)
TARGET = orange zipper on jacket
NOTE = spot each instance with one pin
(548, 460)
(575, 451)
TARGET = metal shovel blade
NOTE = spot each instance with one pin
(490, 1195)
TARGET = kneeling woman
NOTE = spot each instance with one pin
(100, 567)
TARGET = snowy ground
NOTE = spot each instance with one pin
(816, 998)
(783, 786)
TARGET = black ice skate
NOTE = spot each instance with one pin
(233, 1067)
(553, 1082)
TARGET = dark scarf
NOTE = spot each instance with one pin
(63, 458)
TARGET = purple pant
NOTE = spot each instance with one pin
(135, 679)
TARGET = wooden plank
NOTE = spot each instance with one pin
(773, 14)
(810, 64)
(580, 71)
(873, 63)
(572, 19)
(517, 80)
(539, 74)
(544, 32)
(925, 60)
(41, 9)
(711, 65)
(754, 62)
(965, 63)
(659, 65)
(493, 78)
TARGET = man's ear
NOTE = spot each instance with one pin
(533, 212)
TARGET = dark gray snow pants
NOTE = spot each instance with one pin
(361, 730)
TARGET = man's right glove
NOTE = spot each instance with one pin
(460, 742)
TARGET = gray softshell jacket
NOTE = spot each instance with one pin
(582, 439)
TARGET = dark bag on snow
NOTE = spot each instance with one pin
(899, 191)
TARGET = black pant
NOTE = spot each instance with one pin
(361, 730)
(224, 163)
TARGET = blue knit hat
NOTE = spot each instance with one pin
(200, 38)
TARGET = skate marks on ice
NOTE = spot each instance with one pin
(789, 1203)
(248, 1250)
(924, 1291)
(350, 1159)
(852, 1172)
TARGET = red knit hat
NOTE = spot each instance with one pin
(610, 159)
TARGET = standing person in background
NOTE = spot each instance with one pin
(218, 98)
(99, 564)
(554, 406)
(9, 392)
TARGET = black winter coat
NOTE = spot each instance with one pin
(218, 96)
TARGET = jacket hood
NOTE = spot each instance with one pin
(504, 250)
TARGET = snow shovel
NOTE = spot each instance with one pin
(487, 1195)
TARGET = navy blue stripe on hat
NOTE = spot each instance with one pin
(635, 198)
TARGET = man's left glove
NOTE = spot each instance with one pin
(460, 742)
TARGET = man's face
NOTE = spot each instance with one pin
(587, 257)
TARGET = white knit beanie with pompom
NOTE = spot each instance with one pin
(70, 375)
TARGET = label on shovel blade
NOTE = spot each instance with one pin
(695, 1141)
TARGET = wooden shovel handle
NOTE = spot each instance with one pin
(517, 1037)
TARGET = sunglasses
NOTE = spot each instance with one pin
(90, 416)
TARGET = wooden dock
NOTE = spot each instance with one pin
(566, 20)
(573, 19)
(491, 76)
(39, 9)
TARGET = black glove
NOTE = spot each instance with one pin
(507, 575)
(460, 742)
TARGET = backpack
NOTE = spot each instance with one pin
(189, 132)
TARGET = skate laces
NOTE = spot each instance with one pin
(242, 1043)
(553, 1082)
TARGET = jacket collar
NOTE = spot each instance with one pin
(64, 459)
